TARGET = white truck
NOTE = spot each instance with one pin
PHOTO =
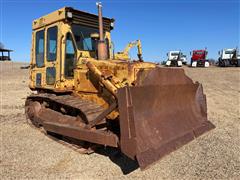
(229, 57)
(176, 58)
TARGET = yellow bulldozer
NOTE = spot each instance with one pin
(83, 95)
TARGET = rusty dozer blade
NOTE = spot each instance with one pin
(165, 111)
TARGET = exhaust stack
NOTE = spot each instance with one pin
(102, 47)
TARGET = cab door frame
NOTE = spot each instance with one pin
(52, 55)
(37, 72)
(67, 83)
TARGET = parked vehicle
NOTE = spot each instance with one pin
(175, 58)
(199, 58)
(229, 57)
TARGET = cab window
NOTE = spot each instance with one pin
(39, 48)
(82, 35)
(52, 43)
(228, 52)
(69, 56)
(199, 53)
(50, 75)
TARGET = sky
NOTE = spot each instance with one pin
(162, 25)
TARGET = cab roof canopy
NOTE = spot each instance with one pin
(71, 15)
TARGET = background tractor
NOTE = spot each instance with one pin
(125, 53)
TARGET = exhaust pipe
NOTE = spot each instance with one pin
(102, 47)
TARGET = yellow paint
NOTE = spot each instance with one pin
(84, 84)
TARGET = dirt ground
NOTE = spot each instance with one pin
(28, 154)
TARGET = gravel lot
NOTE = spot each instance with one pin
(27, 154)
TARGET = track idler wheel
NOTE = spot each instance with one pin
(32, 110)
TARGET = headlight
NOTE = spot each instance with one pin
(112, 24)
(69, 14)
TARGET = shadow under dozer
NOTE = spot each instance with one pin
(162, 113)
(126, 164)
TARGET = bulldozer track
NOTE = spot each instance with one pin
(88, 112)
(65, 141)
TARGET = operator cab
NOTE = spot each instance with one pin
(59, 41)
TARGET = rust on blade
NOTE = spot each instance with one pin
(158, 119)
(163, 76)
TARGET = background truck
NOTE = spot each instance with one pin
(176, 58)
(229, 57)
(199, 58)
